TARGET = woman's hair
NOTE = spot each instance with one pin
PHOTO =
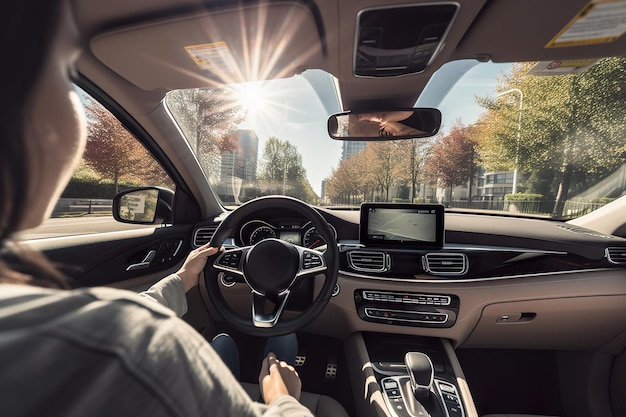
(26, 35)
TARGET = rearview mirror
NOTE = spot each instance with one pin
(380, 125)
(148, 205)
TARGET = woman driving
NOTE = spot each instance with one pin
(95, 351)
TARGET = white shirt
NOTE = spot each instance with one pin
(107, 352)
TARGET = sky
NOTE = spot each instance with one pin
(290, 109)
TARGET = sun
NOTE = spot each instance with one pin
(251, 96)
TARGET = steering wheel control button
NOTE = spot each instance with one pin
(311, 260)
(230, 260)
(228, 280)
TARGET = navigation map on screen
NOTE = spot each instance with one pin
(402, 224)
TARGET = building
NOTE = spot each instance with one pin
(238, 167)
(351, 148)
(486, 189)
(493, 185)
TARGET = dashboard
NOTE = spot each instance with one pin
(475, 247)
(507, 269)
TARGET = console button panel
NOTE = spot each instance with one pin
(407, 308)
(450, 397)
(446, 392)
(407, 298)
(409, 316)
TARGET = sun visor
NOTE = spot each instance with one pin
(254, 43)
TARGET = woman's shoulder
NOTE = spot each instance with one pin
(114, 313)
(18, 298)
(111, 321)
(111, 341)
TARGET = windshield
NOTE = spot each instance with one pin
(534, 138)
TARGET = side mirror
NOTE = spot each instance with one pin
(148, 205)
(382, 125)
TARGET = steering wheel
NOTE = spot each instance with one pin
(271, 269)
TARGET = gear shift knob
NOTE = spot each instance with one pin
(421, 373)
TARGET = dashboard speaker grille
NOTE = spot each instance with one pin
(369, 261)
(203, 235)
(445, 263)
(616, 255)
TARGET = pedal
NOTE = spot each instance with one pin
(331, 371)
(300, 360)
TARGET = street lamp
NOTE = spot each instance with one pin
(519, 131)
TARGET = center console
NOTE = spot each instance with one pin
(396, 375)
(407, 376)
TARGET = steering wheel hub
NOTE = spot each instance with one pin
(271, 266)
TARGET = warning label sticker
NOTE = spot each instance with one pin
(598, 22)
(573, 66)
(214, 58)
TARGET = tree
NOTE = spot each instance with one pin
(281, 171)
(452, 158)
(336, 185)
(574, 123)
(111, 150)
(345, 182)
(112, 153)
(412, 157)
(353, 180)
(383, 161)
(207, 117)
(365, 176)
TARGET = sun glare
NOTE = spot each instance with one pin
(251, 97)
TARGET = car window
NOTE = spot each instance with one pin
(113, 161)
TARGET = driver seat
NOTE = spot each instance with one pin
(320, 405)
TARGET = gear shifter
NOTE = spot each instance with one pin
(421, 373)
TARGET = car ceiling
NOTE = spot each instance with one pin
(141, 43)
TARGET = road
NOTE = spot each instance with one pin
(69, 226)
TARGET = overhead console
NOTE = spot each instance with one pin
(400, 40)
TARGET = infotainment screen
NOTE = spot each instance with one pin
(411, 225)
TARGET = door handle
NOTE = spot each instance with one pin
(516, 317)
(144, 263)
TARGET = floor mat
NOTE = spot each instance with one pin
(317, 376)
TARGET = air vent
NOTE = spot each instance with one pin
(203, 235)
(445, 263)
(369, 261)
(616, 255)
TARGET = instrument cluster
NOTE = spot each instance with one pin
(297, 232)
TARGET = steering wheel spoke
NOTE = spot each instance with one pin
(312, 262)
(231, 261)
(262, 319)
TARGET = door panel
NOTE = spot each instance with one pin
(116, 257)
